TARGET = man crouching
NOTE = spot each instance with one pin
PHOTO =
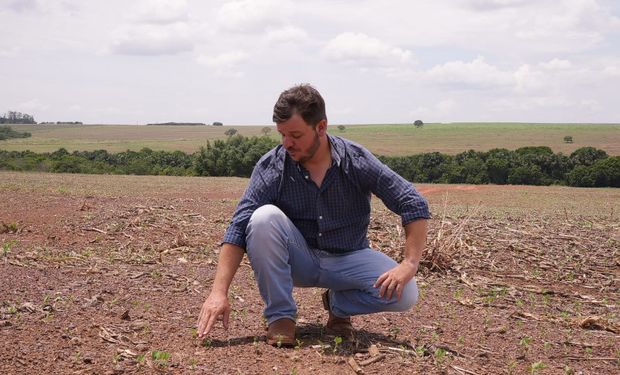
(303, 221)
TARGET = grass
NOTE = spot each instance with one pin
(388, 139)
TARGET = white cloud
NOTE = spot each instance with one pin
(476, 74)
(590, 104)
(442, 110)
(225, 63)
(490, 5)
(161, 11)
(556, 64)
(153, 40)
(361, 49)
(612, 70)
(286, 34)
(22, 5)
(224, 60)
(33, 105)
(528, 79)
(252, 16)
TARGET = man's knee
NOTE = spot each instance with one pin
(408, 298)
(266, 229)
(265, 215)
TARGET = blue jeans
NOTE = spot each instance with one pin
(282, 259)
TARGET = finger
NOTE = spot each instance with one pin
(210, 323)
(399, 292)
(202, 326)
(381, 279)
(384, 287)
(391, 288)
(226, 317)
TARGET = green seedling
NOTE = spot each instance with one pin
(440, 355)
(420, 351)
(7, 246)
(8, 227)
(299, 344)
(161, 358)
(525, 341)
(537, 366)
(192, 363)
(337, 341)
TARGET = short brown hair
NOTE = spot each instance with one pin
(302, 99)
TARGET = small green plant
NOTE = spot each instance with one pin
(8, 227)
(192, 363)
(420, 351)
(568, 139)
(458, 293)
(337, 341)
(299, 344)
(525, 341)
(440, 355)
(512, 366)
(161, 358)
(537, 366)
(7, 246)
(547, 345)
(207, 343)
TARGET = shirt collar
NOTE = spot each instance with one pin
(336, 150)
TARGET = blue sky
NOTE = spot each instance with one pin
(373, 61)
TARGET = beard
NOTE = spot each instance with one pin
(310, 151)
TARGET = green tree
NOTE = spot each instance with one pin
(526, 175)
(230, 132)
(587, 156)
(341, 128)
(418, 123)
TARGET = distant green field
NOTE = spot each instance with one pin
(389, 139)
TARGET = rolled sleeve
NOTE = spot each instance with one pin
(398, 194)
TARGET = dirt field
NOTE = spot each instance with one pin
(106, 274)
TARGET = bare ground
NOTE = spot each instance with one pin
(106, 274)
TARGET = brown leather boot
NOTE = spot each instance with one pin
(335, 325)
(281, 333)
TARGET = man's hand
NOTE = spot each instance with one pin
(217, 305)
(214, 307)
(395, 279)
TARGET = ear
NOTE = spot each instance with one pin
(321, 127)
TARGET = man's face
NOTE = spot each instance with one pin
(300, 140)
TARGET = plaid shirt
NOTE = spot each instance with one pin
(334, 217)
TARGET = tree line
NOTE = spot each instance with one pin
(13, 117)
(237, 155)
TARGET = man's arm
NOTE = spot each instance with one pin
(395, 279)
(217, 304)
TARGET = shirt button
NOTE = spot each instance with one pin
(320, 217)
(320, 234)
(306, 177)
